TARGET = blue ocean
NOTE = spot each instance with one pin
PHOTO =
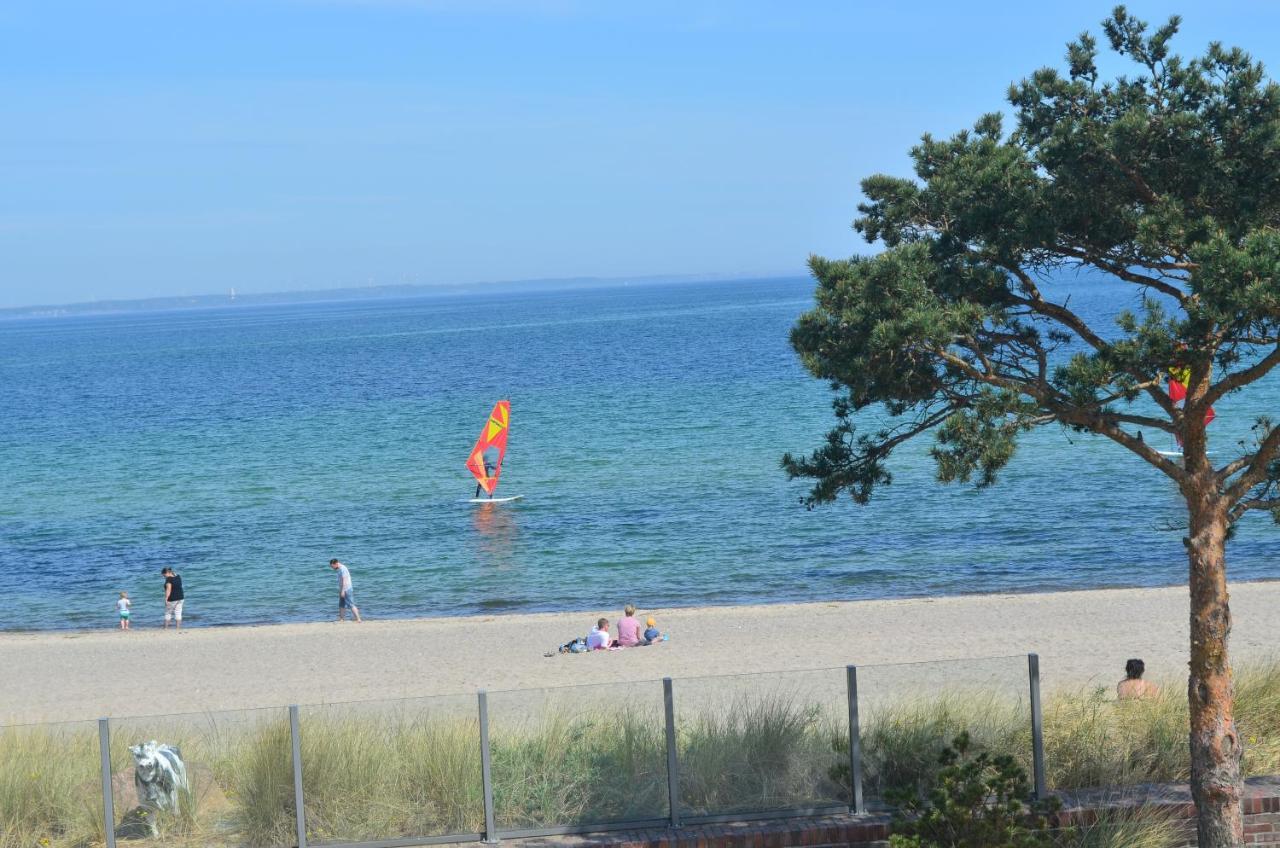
(247, 445)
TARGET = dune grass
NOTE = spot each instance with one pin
(761, 753)
(50, 786)
(567, 769)
(413, 769)
(1126, 827)
(900, 744)
(1092, 740)
(368, 776)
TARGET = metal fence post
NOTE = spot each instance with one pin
(108, 791)
(486, 769)
(1037, 725)
(855, 741)
(673, 758)
(295, 736)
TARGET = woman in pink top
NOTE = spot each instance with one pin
(629, 629)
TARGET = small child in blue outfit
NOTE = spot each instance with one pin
(122, 606)
(651, 633)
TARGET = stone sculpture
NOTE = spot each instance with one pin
(159, 775)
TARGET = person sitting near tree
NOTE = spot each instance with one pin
(1133, 687)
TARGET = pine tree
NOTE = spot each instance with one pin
(1166, 181)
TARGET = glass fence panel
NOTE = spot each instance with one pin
(578, 755)
(204, 779)
(909, 712)
(50, 786)
(383, 770)
(758, 743)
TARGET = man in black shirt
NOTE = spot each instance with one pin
(172, 597)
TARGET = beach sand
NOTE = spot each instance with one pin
(1082, 638)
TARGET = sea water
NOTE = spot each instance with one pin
(246, 446)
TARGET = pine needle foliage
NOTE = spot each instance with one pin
(978, 801)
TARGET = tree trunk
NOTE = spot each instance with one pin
(1215, 747)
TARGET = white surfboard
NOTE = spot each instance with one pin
(494, 500)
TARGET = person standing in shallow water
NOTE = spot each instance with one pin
(122, 606)
(346, 596)
(173, 598)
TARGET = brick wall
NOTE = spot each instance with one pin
(1261, 810)
(1262, 818)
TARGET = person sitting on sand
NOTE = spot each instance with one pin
(651, 633)
(598, 640)
(629, 629)
(1133, 687)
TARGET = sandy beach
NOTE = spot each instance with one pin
(1082, 637)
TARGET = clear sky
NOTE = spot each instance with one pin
(157, 148)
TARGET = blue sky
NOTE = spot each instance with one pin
(185, 147)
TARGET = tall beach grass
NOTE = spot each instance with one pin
(50, 786)
(412, 769)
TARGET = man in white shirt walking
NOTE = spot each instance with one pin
(346, 598)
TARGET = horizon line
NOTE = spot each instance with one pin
(360, 292)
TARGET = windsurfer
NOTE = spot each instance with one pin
(485, 462)
(488, 472)
(490, 465)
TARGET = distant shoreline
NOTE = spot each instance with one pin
(1082, 637)
(227, 300)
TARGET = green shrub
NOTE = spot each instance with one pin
(976, 801)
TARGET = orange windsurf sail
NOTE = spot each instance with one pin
(485, 461)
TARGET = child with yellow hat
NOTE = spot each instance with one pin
(651, 633)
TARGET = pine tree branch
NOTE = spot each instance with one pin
(1139, 184)
(1116, 269)
(1241, 378)
(1097, 420)
(998, 381)
(1256, 470)
(1269, 504)
(1036, 303)
(921, 426)
(1233, 467)
(1100, 423)
(1139, 421)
